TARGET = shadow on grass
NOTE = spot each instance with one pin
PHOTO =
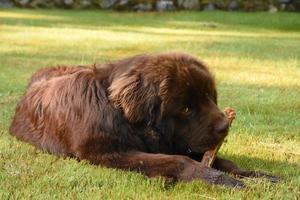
(282, 169)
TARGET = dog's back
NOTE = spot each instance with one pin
(29, 121)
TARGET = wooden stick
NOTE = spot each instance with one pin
(210, 155)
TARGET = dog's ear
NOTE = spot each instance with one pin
(137, 97)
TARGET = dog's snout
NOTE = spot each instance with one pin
(222, 127)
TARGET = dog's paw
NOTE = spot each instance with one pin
(257, 174)
(213, 176)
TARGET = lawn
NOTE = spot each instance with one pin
(255, 58)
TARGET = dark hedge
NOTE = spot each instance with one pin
(160, 5)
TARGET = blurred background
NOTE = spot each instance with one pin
(160, 5)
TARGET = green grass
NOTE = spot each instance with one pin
(256, 61)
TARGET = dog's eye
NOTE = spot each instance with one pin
(186, 111)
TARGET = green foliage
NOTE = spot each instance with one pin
(255, 59)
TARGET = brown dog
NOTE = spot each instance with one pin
(156, 114)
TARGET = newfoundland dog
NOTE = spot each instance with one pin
(155, 114)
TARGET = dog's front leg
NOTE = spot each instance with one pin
(172, 167)
(229, 167)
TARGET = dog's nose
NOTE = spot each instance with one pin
(222, 127)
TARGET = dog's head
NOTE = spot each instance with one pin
(173, 93)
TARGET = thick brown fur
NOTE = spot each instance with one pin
(149, 113)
